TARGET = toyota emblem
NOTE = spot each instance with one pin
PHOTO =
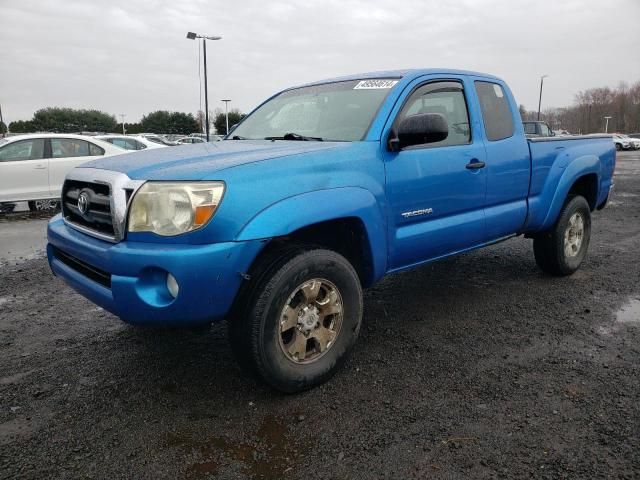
(83, 203)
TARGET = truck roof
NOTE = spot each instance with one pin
(408, 74)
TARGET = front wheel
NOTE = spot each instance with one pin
(301, 318)
(561, 250)
(7, 207)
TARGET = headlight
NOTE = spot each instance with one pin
(172, 208)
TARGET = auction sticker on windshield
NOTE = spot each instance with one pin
(375, 84)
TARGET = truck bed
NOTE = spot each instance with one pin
(554, 159)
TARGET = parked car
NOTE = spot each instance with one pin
(562, 133)
(130, 142)
(538, 129)
(625, 142)
(33, 167)
(322, 191)
(213, 137)
(158, 139)
(189, 140)
(634, 135)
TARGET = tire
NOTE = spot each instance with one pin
(7, 207)
(618, 147)
(561, 250)
(43, 205)
(298, 318)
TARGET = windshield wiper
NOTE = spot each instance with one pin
(295, 136)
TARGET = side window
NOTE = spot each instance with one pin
(530, 128)
(544, 130)
(496, 112)
(131, 144)
(22, 150)
(140, 145)
(69, 147)
(447, 99)
(95, 150)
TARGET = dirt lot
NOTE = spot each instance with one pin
(474, 367)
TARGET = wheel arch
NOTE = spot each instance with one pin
(347, 220)
(580, 177)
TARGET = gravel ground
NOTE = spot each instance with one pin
(474, 367)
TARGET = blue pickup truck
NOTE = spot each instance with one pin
(318, 193)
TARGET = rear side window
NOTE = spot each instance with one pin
(498, 121)
(530, 128)
(122, 143)
(544, 130)
(95, 150)
(69, 147)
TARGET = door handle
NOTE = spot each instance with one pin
(474, 164)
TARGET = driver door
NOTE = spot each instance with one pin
(436, 191)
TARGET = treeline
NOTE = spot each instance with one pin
(590, 107)
(65, 120)
(69, 120)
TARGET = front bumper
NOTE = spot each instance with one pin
(131, 276)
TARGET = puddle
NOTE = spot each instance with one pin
(630, 312)
(270, 453)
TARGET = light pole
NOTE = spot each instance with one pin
(193, 36)
(606, 125)
(540, 98)
(122, 115)
(226, 112)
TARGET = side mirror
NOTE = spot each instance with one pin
(419, 129)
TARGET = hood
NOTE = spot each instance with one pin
(200, 161)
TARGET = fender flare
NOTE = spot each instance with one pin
(293, 213)
(581, 166)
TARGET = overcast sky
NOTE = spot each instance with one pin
(132, 57)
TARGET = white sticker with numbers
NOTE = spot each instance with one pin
(370, 84)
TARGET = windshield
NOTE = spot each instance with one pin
(339, 111)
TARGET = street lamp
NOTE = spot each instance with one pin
(540, 99)
(226, 112)
(122, 115)
(193, 36)
(606, 125)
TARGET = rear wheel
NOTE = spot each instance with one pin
(299, 319)
(562, 249)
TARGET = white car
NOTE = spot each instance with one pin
(130, 142)
(189, 140)
(625, 142)
(33, 167)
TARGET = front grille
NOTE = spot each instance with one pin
(94, 273)
(97, 215)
